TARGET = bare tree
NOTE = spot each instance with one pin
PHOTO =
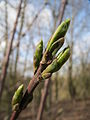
(6, 27)
(70, 82)
(6, 59)
(19, 35)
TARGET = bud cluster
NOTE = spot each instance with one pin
(50, 63)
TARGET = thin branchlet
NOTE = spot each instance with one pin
(45, 64)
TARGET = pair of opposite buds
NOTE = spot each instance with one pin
(54, 44)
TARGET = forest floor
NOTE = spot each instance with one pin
(64, 110)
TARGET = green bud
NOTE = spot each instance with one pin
(57, 63)
(56, 46)
(46, 75)
(37, 56)
(53, 50)
(63, 57)
(59, 33)
(17, 97)
(50, 69)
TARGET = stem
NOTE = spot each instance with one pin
(27, 98)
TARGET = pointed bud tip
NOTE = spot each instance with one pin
(67, 21)
(41, 41)
(65, 53)
(67, 49)
(21, 87)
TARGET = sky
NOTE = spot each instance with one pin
(44, 24)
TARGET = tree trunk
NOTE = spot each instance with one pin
(56, 86)
(43, 99)
(19, 37)
(70, 82)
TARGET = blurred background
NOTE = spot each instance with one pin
(67, 92)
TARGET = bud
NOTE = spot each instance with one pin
(63, 57)
(46, 75)
(56, 46)
(17, 97)
(37, 56)
(57, 63)
(59, 33)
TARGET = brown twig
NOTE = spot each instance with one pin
(29, 92)
(28, 96)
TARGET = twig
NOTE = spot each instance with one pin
(47, 66)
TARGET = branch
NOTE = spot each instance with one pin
(47, 66)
